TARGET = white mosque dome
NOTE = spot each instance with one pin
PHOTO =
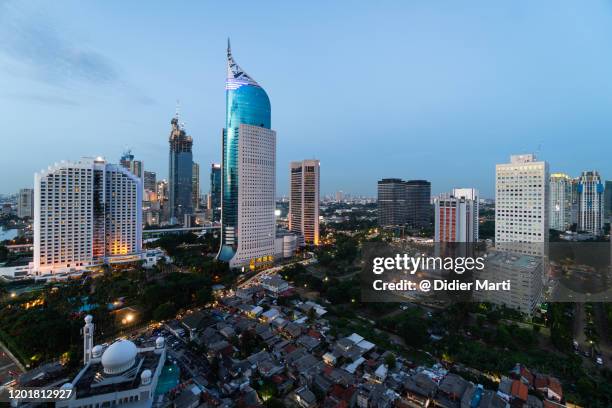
(96, 351)
(119, 357)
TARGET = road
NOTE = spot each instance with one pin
(253, 280)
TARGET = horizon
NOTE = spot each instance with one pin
(448, 89)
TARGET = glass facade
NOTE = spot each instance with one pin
(246, 103)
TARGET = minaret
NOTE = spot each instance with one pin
(88, 332)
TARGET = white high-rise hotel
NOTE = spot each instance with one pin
(521, 204)
(86, 213)
(304, 200)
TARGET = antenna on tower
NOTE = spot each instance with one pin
(178, 109)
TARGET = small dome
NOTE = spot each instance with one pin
(96, 351)
(88, 319)
(119, 357)
(160, 342)
(145, 377)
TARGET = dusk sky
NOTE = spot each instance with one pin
(437, 90)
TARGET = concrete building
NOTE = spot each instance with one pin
(285, 244)
(525, 274)
(120, 374)
(304, 199)
(521, 205)
(560, 188)
(86, 213)
(248, 172)
(591, 203)
(180, 174)
(456, 219)
(608, 199)
(25, 203)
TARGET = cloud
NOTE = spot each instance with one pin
(34, 48)
(30, 38)
(43, 99)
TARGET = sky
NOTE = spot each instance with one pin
(416, 89)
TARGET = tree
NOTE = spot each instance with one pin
(390, 361)
(164, 311)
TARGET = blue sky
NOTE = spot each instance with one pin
(440, 90)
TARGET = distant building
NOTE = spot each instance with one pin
(521, 205)
(180, 179)
(150, 181)
(339, 196)
(560, 188)
(471, 194)
(590, 203)
(304, 199)
(195, 177)
(608, 199)
(248, 172)
(456, 219)
(392, 210)
(134, 166)
(214, 197)
(86, 213)
(418, 203)
(25, 203)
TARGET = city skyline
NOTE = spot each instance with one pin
(99, 97)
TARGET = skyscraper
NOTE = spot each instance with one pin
(590, 203)
(25, 203)
(521, 205)
(456, 217)
(195, 177)
(471, 194)
(391, 202)
(248, 172)
(180, 174)
(127, 161)
(150, 181)
(418, 203)
(214, 197)
(86, 213)
(304, 199)
(560, 188)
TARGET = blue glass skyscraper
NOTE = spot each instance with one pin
(246, 104)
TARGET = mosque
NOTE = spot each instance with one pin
(119, 374)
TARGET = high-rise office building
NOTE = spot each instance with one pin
(590, 203)
(195, 177)
(418, 203)
(391, 202)
(180, 180)
(25, 203)
(560, 189)
(214, 196)
(339, 196)
(135, 166)
(456, 216)
(86, 213)
(304, 199)
(248, 172)
(521, 205)
(150, 181)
